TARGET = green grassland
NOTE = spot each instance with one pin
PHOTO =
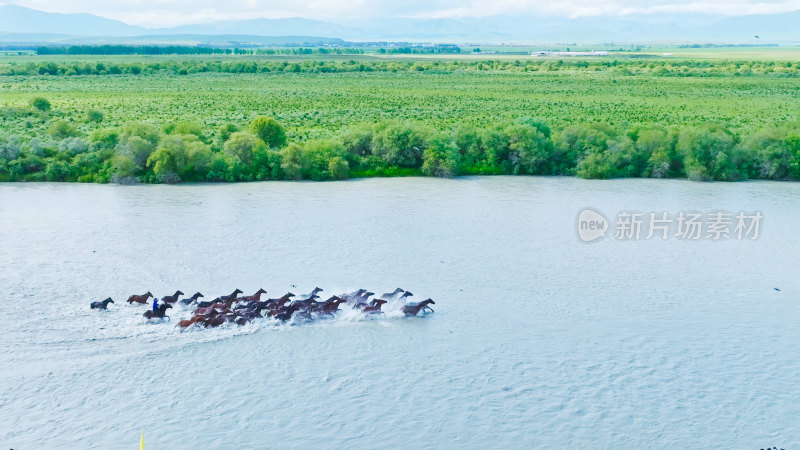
(401, 115)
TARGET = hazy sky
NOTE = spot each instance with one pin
(152, 13)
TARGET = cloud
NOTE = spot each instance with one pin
(157, 13)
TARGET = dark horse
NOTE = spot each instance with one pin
(172, 298)
(220, 299)
(392, 295)
(307, 304)
(254, 297)
(101, 305)
(375, 308)
(215, 321)
(159, 313)
(313, 293)
(412, 309)
(287, 314)
(233, 295)
(275, 303)
(139, 298)
(331, 305)
(191, 299)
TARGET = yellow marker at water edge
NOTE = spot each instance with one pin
(141, 442)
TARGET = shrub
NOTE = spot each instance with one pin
(776, 152)
(338, 168)
(62, 129)
(104, 139)
(241, 145)
(73, 146)
(226, 130)
(38, 147)
(712, 152)
(136, 149)
(94, 116)
(292, 162)
(530, 150)
(42, 104)
(400, 144)
(186, 127)
(145, 131)
(124, 169)
(658, 147)
(269, 130)
(441, 158)
(9, 148)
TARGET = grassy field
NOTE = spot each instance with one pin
(439, 94)
(311, 104)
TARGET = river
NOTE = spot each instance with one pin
(538, 339)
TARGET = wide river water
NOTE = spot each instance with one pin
(538, 339)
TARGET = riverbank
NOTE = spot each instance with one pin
(77, 119)
(182, 151)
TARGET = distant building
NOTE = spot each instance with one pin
(548, 53)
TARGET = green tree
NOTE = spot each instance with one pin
(292, 162)
(106, 138)
(712, 152)
(186, 127)
(338, 168)
(180, 157)
(530, 150)
(400, 144)
(441, 158)
(135, 148)
(145, 131)
(242, 145)
(269, 130)
(658, 147)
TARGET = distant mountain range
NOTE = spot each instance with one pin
(24, 25)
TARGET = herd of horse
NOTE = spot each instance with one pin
(241, 310)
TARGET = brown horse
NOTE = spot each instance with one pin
(412, 309)
(254, 297)
(224, 305)
(140, 298)
(215, 321)
(376, 308)
(188, 322)
(275, 303)
(330, 305)
(172, 298)
(211, 310)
